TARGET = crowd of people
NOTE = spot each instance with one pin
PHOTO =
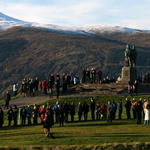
(147, 78)
(61, 83)
(65, 112)
(91, 75)
(144, 78)
(133, 88)
(32, 86)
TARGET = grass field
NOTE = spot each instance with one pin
(78, 133)
(83, 133)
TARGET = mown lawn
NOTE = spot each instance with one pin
(79, 133)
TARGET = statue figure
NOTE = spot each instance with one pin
(133, 56)
(127, 55)
(130, 56)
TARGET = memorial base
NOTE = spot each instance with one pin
(128, 74)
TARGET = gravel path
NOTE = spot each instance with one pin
(87, 92)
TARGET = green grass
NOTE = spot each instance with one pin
(83, 133)
(78, 133)
(98, 99)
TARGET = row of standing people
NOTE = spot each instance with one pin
(64, 111)
(140, 110)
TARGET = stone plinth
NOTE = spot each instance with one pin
(128, 74)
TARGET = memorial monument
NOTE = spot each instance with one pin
(129, 69)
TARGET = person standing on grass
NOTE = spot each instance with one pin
(10, 116)
(56, 110)
(29, 114)
(1, 117)
(23, 115)
(114, 109)
(8, 98)
(61, 115)
(120, 108)
(92, 106)
(48, 121)
(72, 111)
(66, 111)
(35, 113)
(147, 115)
(128, 108)
(15, 117)
(85, 110)
(109, 112)
(139, 110)
(80, 111)
(42, 112)
(133, 106)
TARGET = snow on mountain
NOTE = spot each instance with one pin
(7, 22)
(110, 29)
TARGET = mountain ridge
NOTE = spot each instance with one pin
(7, 22)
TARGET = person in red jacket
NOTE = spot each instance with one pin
(44, 86)
(42, 112)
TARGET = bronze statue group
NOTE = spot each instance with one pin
(64, 112)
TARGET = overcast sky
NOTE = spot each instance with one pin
(127, 13)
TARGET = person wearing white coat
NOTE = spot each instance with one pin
(147, 115)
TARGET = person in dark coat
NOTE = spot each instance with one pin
(10, 116)
(120, 108)
(1, 117)
(8, 98)
(68, 80)
(92, 106)
(64, 83)
(35, 115)
(72, 111)
(58, 85)
(23, 115)
(128, 108)
(80, 111)
(114, 109)
(51, 83)
(36, 84)
(85, 110)
(139, 110)
(66, 111)
(135, 87)
(48, 121)
(61, 115)
(15, 117)
(29, 114)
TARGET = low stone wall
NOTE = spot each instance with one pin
(124, 146)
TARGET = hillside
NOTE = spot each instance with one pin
(26, 51)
